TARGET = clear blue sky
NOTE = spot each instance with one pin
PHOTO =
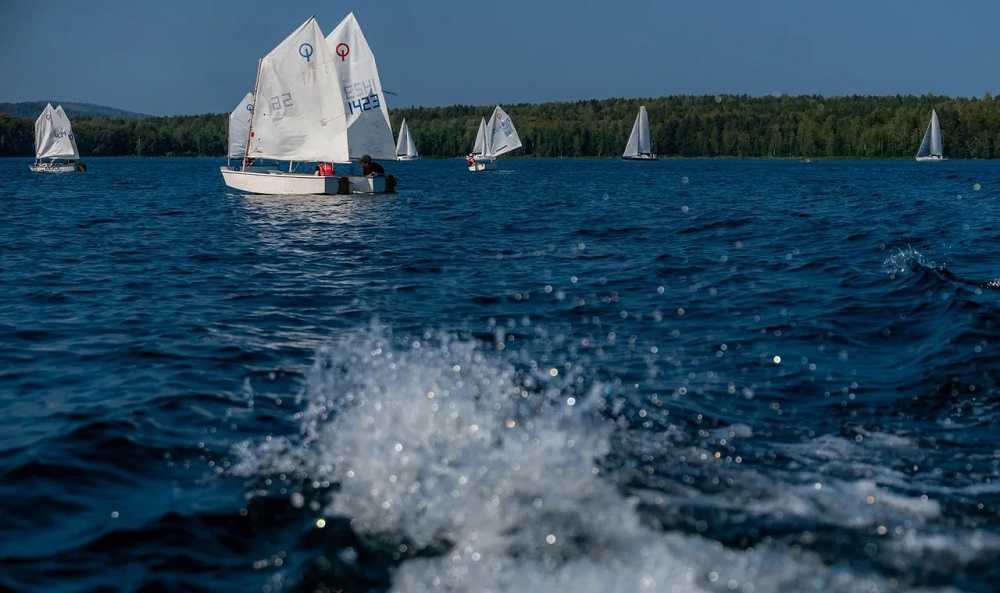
(187, 56)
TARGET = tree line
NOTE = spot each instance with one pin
(686, 126)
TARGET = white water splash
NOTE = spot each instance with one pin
(440, 444)
(905, 260)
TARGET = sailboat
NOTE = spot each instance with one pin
(55, 144)
(475, 158)
(239, 128)
(931, 147)
(406, 150)
(495, 138)
(300, 112)
(638, 146)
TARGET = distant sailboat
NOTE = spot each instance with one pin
(406, 150)
(55, 144)
(495, 138)
(931, 148)
(239, 128)
(299, 112)
(638, 147)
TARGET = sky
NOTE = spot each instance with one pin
(198, 56)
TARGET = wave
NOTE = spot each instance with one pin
(909, 260)
(488, 471)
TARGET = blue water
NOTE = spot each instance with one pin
(563, 376)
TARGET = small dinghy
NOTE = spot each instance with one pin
(638, 146)
(495, 138)
(316, 100)
(931, 148)
(55, 144)
(406, 150)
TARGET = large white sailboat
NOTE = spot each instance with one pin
(55, 144)
(406, 150)
(301, 112)
(495, 138)
(931, 147)
(638, 147)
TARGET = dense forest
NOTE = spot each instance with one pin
(687, 126)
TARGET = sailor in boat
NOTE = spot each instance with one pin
(325, 170)
(370, 168)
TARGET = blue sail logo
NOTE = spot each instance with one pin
(306, 51)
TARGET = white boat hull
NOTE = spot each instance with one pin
(280, 183)
(483, 165)
(51, 168)
(640, 157)
(407, 158)
(924, 159)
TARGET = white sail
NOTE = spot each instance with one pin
(479, 147)
(368, 128)
(638, 140)
(405, 146)
(54, 135)
(298, 110)
(931, 145)
(501, 136)
(239, 127)
(64, 121)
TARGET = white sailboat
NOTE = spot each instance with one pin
(638, 147)
(495, 138)
(298, 114)
(55, 144)
(931, 148)
(475, 159)
(406, 150)
(239, 128)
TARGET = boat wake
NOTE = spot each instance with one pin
(486, 473)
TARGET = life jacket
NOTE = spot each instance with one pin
(325, 169)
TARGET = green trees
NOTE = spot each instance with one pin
(688, 126)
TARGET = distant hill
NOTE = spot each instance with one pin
(31, 109)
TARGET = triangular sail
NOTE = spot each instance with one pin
(298, 110)
(405, 146)
(638, 140)
(932, 145)
(937, 147)
(368, 128)
(480, 145)
(501, 136)
(54, 135)
(239, 127)
(68, 127)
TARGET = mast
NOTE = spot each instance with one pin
(246, 151)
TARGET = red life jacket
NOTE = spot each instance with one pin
(325, 169)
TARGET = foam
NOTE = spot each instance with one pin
(439, 445)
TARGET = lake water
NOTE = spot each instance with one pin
(563, 376)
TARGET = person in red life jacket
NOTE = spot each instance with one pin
(369, 167)
(325, 169)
